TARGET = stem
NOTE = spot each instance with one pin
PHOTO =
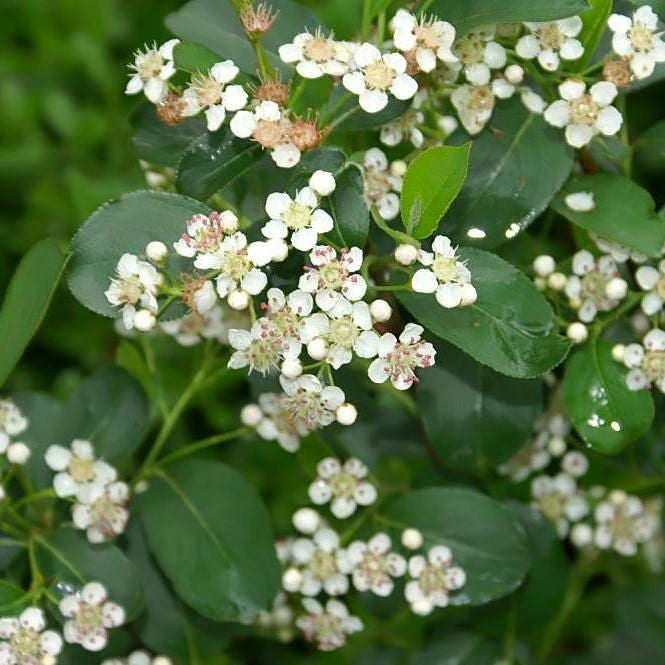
(265, 68)
(341, 118)
(397, 236)
(631, 301)
(627, 162)
(35, 573)
(392, 287)
(367, 19)
(204, 443)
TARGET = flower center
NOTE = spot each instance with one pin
(404, 358)
(470, 49)
(285, 322)
(323, 564)
(445, 268)
(89, 617)
(104, 514)
(553, 505)
(343, 332)
(427, 36)
(654, 365)
(268, 133)
(333, 275)
(551, 36)
(378, 76)
(481, 98)
(319, 49)
(236, 264)
(81, 470)
(583, 111)
(376, 184)
(25, 644)
(432, 580)
(343, 484)
(149, 64)
(304, 412)
(263, 355)
(297, 216)
(374, 566)
(641, 37)
(193, 323)
(593, 287)
(328, 628)
(208, 91)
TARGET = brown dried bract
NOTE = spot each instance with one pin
(172, 110)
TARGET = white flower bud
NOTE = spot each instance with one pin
(306, 520)
(317, 348)
(155, 179)
(412, 539)
(617, 352)
(322, 182)
(380, 310)
(514, 74)
(398, 167)
(577, 332)
(18, 453)
(156, 251)
(228, 221)
(447, 124)
(291, 580)
(557, 281)
(162, 660)
(251, 415)
(581, 535)
(144, 320)
(346, 414)
(291, 368)
(406, 254)
(141, 487)
(469, 295)
(238, 300)
(616, 288)
(557, 446)
(544, 265)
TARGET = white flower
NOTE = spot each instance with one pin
(279, 618)
(427, 39)
(102, 513)
(652, 280)
(446, 275)
(382, 184)
(12, 422)
(584, 114)
(315, 55)
(374, 565)
(204, 236)
(474, 105)
(136, 283)
(322, 182)
(588, 288)
(214, 324)
(89, 615)
(346, 331)
(559, 500)
(377, 75)
(152, 67)
(138, 658)
(406, 126)
(398, 359)
(551, 42)
(78, 469)
(580, 201)
(344, 487)
(646, 362)
(23, 640)
(575, 463)
(479, 54)
(637, 40)
(334, 280)
(433, 578)
(211, 92)
(301, 217)
(327, 627)
(620, 253)
(323, 565)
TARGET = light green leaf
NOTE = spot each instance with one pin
(210, 533)
(466, 16)
(459, 395)
(12, 599)
(517, 165)
(431, 183)
(127, 224)
(348, 208)
(605, 413)
(510, 328)
(458, 648)
(624, 212)
(484, 537)
(594, 25)
(26, 301)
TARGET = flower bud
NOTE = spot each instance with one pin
(322, 182)
(617, 352)
(291, 580)
(406, 254)
(557, 446)
(291, 368)
(412, 539)
(514, 74)
(398, 167)
(581, 535)
(447, 124)
(144, 320)
(18, 453)
(577, 332)
(557, 281)
(279, 250)
(346, 414)
(380, 310)
(616, 288)
(251, 415)
(156, 251)
(306, 520)
(544, 265)
(238, 300)
(317, 348)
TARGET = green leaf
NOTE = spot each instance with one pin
(348, 207)
(26, 301)
(483, 536)
(594, 25)
(510, 328)
(12, 599)
(210, 533)
(466, 16)
(216, 25)
(517, 165)
(160, 144)
(343, 110)
(213, 161)
(605, 413)
(431, 183)
(624, 212)
(459, 395)
(127, 224)
(193, 58)
(65, 557)
(130, 359)
(458, 648)
(650, 149)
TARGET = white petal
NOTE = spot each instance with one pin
(572, 89)
(424, 281)
(603, 92)
(404, 86)
(254, 282)
(372, 101)
(235, 97)
(527, 47)
(578, 135)
(557, 113)
(609, 121)
(571, 49)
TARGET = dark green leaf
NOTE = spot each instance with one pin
(458, 648)
(344, 112)
(26, 301)
(458, 396)
(517, 165)
(213, 161)
(624, 212)
(650, 149)
(194, 57)
(510, 328)
(127, 224)
(605, 413)
(348, 207)
(210, 533)
(66, 558)
(431, 183)
(483, 536)
(594, 26)
(12, 599)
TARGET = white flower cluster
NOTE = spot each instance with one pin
(383, 182)
(100, 498)
(645, 361)
(319, 562)
(138, 658)
(12, 423)
(24, 640)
